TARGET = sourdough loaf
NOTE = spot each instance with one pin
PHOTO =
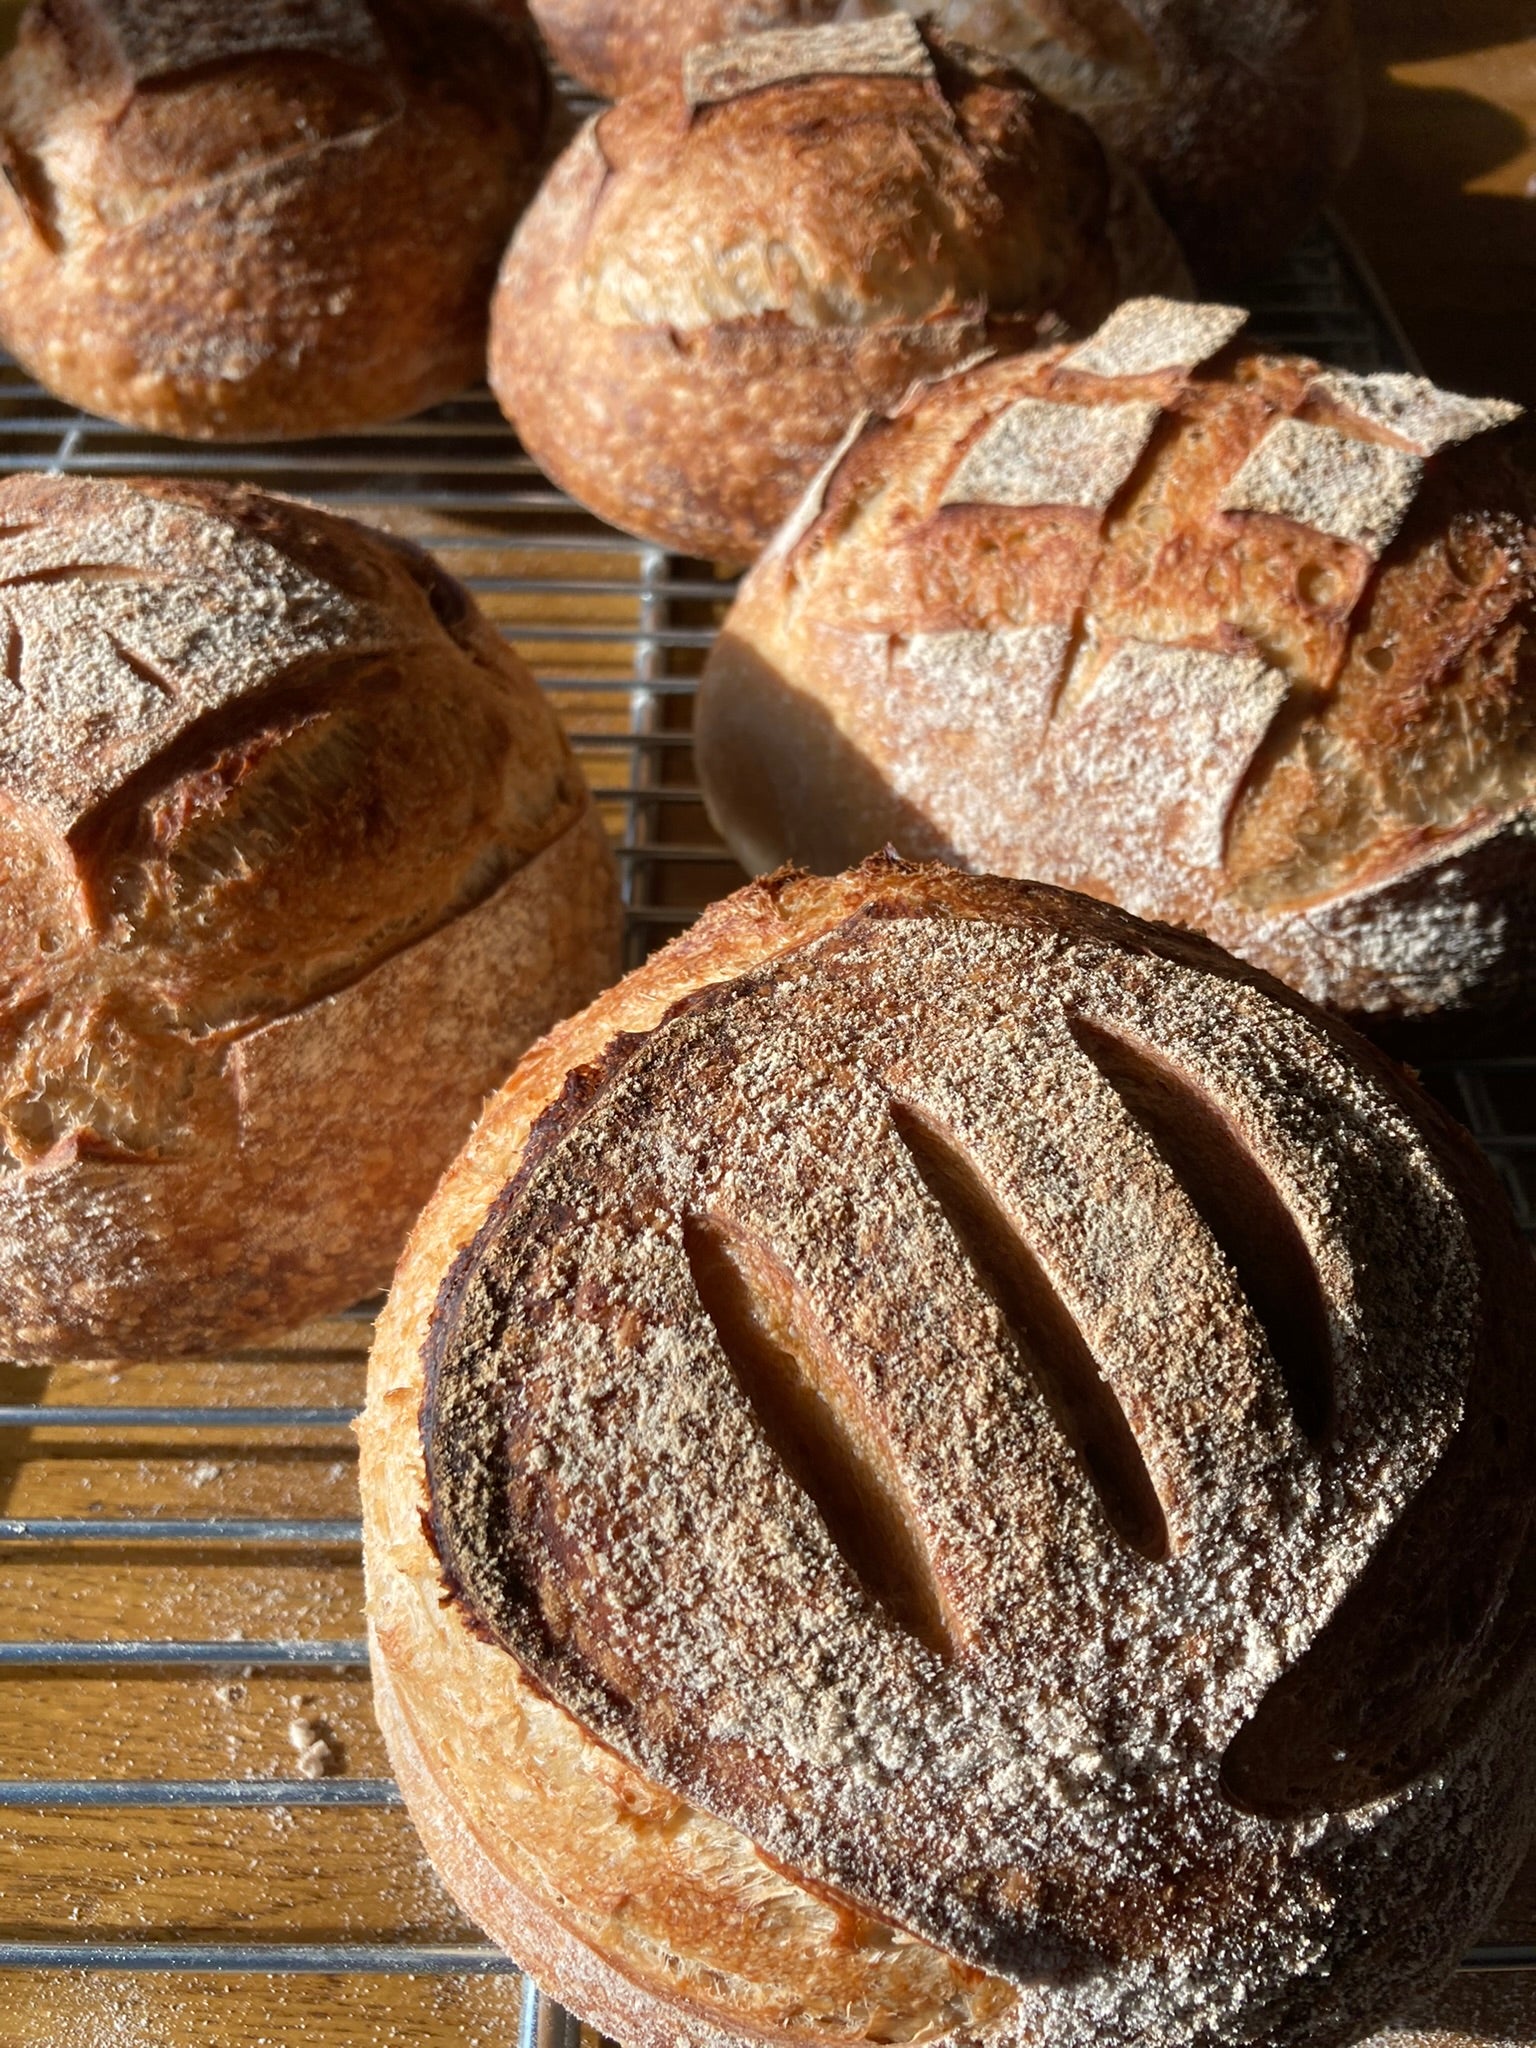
(247, 218)
(297, 862)
(1229, 639)
(950, 1466)
(1241, 118)
(724, 271)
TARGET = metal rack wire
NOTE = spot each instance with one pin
(616, 632)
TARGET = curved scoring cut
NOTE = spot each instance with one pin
(823, 1441)
(1240, 1206)
(1044, 1332)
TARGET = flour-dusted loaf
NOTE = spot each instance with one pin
(297, 862)
(253, 218)
(725, 271)
(1232, 640)
(951, 1466)
(1240, 114)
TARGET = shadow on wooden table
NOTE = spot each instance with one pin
(18, 1384)
(1451, 97)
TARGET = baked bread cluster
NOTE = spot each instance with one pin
(952, 1466)
(946, 1465)
(1241, 118)
(248, 218)
(1230, 639)
(297, 862)
(726, 270)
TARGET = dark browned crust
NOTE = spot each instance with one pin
(1468, 1646)
(361, 191)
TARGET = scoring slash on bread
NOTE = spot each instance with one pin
(723, 272)
(247, 219)
(1247, 646)
(951, 1466)
(1241, 117)
(297, 862)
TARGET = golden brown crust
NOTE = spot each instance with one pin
(503, 1750)
(1247, 647)
(274, 800)
(257, 220)
(1242, 119)
(702, 299)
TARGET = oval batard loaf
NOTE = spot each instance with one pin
(297, 862)
(1241, 117)
(951, 1466)
(725, 271)
(1245, 646)
(247, 218)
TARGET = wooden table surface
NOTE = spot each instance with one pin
(1443, 198)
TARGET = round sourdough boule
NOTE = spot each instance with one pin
(297, 861)
(252, 219)
(1242, 118)
(724, 272)
(951, 1466)
(1247, 647)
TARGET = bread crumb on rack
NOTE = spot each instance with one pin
(315, 1754)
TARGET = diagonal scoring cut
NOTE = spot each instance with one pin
(1044, 1332)
(813, 1423)
(1239, 1204)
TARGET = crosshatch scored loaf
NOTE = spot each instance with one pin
(951, 1466)
(246, 218)
(1233, 640)
(297, 862)
(725, 271)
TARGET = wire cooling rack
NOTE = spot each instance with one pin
(180, 1594)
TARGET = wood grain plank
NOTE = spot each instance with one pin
(1443, 199)
(131, 2011)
